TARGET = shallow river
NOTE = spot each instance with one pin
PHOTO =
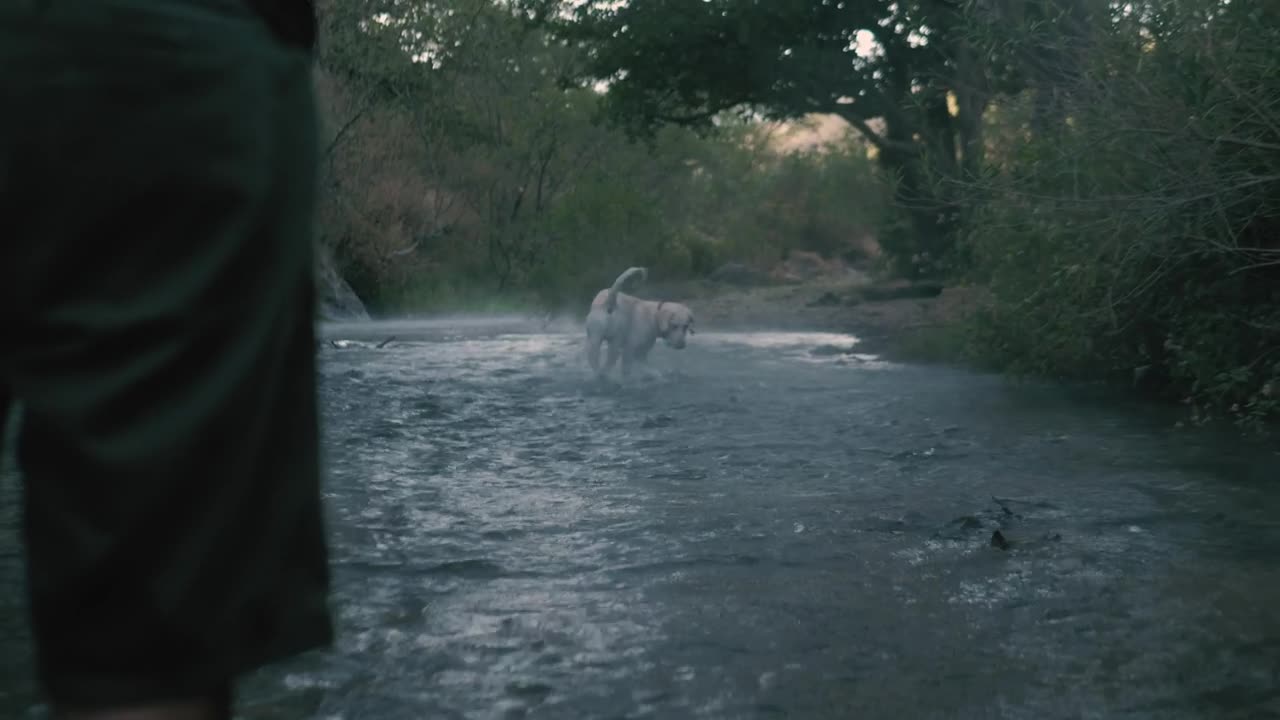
(761, 526)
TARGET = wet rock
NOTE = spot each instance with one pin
(1005, 509)
(1034, 504)
(657, 421)
(998, 540)
(471, 569)
(961, 528)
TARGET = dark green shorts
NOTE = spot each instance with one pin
(157, 184)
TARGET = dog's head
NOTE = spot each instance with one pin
(675, 323)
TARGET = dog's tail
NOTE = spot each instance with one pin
(612, 301)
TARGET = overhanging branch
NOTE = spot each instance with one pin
(880, 142)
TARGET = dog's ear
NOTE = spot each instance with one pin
(664, 320)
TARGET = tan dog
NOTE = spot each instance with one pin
(631, 326)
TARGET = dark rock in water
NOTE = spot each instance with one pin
(961, 528)
(1053, 614)
(828, 299)
(657, 421)
(998, 540)
(1033, 504)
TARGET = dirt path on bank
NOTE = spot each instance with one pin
(885, 326)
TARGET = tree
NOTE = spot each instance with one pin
(906, 74)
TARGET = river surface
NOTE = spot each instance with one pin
(764, 525)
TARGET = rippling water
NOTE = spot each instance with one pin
(768, 525)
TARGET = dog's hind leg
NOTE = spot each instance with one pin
(593, 353)
(612, 357)
(627, 362)
(597, 330)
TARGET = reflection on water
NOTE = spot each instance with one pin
(806, 341)
(758, 528)
(821, 348)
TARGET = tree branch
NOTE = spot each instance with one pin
(342, 131)
(881, 142)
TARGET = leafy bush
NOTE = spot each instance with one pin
(1139, 238)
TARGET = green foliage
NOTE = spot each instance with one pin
(1140, 237)
(892, 69)
(459, 167)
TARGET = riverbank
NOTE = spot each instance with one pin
(895, 320)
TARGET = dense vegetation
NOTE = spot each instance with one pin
(1109, 172)
(1136, 234)
(460, 171)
